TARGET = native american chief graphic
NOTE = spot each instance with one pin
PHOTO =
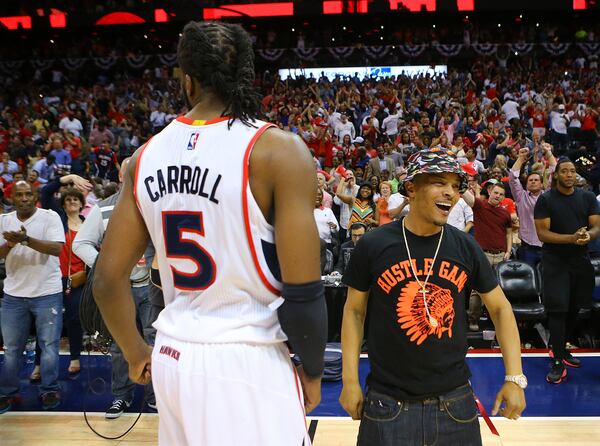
(412, 314)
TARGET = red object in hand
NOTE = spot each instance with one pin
(341, 170)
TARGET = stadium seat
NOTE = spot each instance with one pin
(521, 287)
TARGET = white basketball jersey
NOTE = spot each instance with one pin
(216, 252)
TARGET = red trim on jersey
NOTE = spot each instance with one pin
(261, 274)
(137, 171)
(300, 399)
(188, 121)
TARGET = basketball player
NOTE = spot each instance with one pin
(414, 272)
(228, 203)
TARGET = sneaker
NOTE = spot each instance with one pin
(50, 400)
(473, 326)
(152, 406)
(569, 360)
(116, 409)
(558, 373)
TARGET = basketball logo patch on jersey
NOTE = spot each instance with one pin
(193, 140)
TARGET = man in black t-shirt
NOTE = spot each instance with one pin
(413, 274)
(562, 218)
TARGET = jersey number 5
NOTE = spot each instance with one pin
(175, 223)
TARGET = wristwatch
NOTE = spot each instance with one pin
(25, 241)
(519, 380)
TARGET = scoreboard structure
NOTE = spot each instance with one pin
(161, 12)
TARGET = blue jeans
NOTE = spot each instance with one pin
(447, 420)
(122, 387)
(17, 315)
(531, 255)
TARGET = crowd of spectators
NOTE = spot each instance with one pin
(494, 117)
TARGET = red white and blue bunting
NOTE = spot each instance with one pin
(137, 61)
(448, 49)
(341, 53)
(521, 48)
(271, 55)
(377, 51)
(485, 49)
(589, 48)
(307, 53)
(410, 50)
(556, 49)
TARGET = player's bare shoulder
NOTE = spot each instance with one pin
(280, 163)
(276, 147)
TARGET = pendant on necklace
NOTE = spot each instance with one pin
(433, 322)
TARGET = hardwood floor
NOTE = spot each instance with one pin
(69, 429)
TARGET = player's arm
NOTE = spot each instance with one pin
(111, 288)
(353, 321)
(284, 172)
(507, 333)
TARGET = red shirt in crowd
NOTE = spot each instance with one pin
(76, 263)
(490, 225)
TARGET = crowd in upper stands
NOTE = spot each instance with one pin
(59, 128)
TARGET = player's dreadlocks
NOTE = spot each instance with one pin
(220, 57)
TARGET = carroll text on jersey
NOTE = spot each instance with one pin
(183, 180)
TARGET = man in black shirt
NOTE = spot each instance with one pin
(357, 230)
(562, 218)
(413, 274)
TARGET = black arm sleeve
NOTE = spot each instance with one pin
(303, 318)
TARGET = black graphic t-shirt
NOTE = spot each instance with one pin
(413, 356)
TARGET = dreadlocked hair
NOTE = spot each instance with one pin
(220, 57)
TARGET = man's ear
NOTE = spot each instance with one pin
(409, 186)
(189, 85)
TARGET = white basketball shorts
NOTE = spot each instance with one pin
(226, 395)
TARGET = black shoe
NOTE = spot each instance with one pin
(116, 409)
(569, 360)
(50, 400)
(558, 373)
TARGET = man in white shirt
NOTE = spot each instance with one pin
(461, 216)
(345, 209)
(511, 109)
(157, 119)
(398, 206)
(326, 221)
(344, 127)
(559, 121)
(71, 124)
(371, 115)
(389, 126)
(31, 240)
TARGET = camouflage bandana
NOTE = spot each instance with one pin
(435, 160)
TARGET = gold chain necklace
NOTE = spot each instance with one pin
(432, 321)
